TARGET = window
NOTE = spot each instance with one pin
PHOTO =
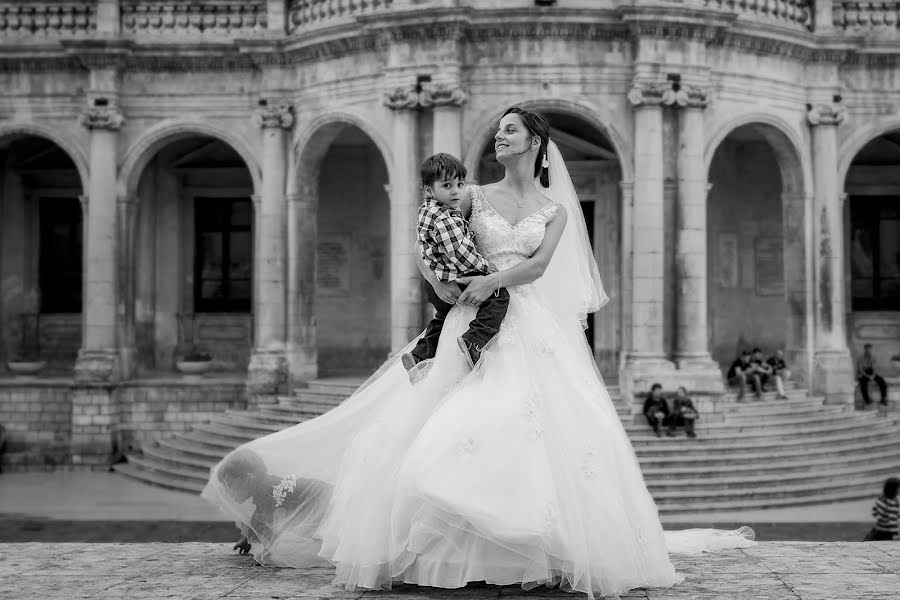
(59, 263)
(875, 252)
(223, 256)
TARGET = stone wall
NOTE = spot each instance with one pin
(37, 417)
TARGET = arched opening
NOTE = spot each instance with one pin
(596, 174)
(194, 247)
(352, 299)
(41, 252)
(872, 262)
(757, 250)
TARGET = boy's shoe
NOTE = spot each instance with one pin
(471, 352)
(409, 361)
(419, 371)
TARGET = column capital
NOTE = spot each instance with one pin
(279, 116)
(825, 114)
(653, 93)
(102, 117)
(442, 95)
(690, 96)
(402, 98)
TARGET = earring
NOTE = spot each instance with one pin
(546, 163)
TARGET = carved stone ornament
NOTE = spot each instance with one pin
(825, 114)
(281, 115)
(102, 117)
(651, 94)
(442, 95)
(402, 98)
(689, 96)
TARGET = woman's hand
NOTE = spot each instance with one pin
(479, 289)
(448, 292)
(243, 546)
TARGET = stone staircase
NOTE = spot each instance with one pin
(750, 455)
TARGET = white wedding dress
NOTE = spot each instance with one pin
(517, 472)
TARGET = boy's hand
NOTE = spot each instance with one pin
(243, 546)
(448, 292)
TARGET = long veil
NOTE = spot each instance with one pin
(571, 282)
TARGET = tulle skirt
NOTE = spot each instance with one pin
(517, 472)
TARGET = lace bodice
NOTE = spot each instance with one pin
(503, 243)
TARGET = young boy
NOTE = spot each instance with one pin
(448, 249)
(244, 475)
(886, 512)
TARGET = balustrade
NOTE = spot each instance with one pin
(866, 16)
(788, 12)
(193, 17)
(50, 18)
(312, 14)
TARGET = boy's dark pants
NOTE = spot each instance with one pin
(482, 328)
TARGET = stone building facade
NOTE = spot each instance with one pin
(240, 178)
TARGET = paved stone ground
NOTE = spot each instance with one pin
(769, 571)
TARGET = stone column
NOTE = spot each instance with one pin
(646, 360)
(127, 221)
(832, 365)
(447, 103)
(697, 369)
(627, 191)
(406, 307)
(302, 351)
(97, 359)
(266, 371)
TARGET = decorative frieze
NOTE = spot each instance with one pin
(281, 115)
(102, 117)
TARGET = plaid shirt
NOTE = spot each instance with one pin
(446, 243)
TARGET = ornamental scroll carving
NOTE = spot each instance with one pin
(668, 94)
(281, 115)
(433, 95)
(102, 117)
(825, 114)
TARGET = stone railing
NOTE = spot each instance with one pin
(866, 17)
(307, 15)
(51, 18)
(193, 17)
(796, 13)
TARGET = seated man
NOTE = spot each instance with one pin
(779, 372)
(865, 372)
(684, 412)
(741, 372)
(759, 366)
(656, 409)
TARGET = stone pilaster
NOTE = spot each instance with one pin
(302, 346)
(647, 361)
(832, 366)
(266, 371)
(98, 359)
(447, 105)
(127, 224)
(406, 308)
(697, 370)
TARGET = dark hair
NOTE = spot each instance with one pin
(442, 166)
(682, 388)
(241, 462)
(891, 487)
(655, 386)
(867, 346)
(536, 125)
(755, 350)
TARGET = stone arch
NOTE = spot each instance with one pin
(311, 145)
(479, 134)
(857, 141)
(69, 145)
(146, 147)
(794, 164)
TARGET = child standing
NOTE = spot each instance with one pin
(886, 512)
(448, 249)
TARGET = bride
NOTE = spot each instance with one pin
(518, 471)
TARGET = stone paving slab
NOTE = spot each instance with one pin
(201, 571)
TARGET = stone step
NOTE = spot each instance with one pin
(316, 406)
(711, 460)
(176, 457)
(210, 440)
(869, 482)
(751, 436)
(285, 418)
(250, 423)
(737, 502)
(195, 475)
(188, 447)
(157, 479)
(702, 467)
(226, 432)
(656, 446)
(774, 425)
(769, 481)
